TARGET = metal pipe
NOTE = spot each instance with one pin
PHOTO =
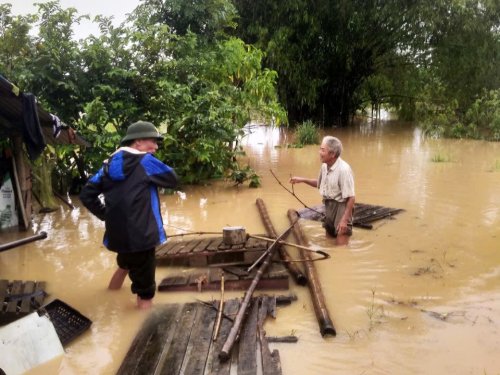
(9, 245)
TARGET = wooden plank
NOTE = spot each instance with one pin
(247, 354)
(173, 357)
(146, 350)
(175, 249)
(252, 243)
(4, 284)
(189, 246)
(16, 288)
(29, 287)
(163, 250)
(214, 244)
(203, 245)
(233, 285)
(199, 342)
(270, 361)
(173, 282)
(237, 271)
(40, 285)
(214, 365)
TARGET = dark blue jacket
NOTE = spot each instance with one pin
(129, 182)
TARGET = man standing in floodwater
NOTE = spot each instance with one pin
(129, 182)
(336, 185)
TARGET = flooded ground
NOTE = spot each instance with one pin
(416, 295)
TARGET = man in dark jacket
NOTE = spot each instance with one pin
(129, 182)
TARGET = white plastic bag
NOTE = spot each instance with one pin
(8, 213)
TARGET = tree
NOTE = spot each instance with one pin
(324, 51)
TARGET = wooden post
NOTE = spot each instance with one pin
(21, 182)
(294, 270)
(318, 299)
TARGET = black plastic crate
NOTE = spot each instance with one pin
(68, 322)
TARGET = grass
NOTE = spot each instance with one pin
(375, 313)
(440, 158)
(307, 134)
(496, 166)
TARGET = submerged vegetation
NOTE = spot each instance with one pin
(306, 134)
(201, 70)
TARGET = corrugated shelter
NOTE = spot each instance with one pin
(24, 121)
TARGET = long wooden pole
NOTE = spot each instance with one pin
(10, 245)
(318, 299)
(224, 355)
(294, 270)
(221, 308)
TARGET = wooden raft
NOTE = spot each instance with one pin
(235, 278)
(20, 298)
(364, 214)
(177, 339)
(203, 251)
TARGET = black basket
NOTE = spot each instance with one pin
(67, 321)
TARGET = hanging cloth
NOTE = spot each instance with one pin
(32, 132)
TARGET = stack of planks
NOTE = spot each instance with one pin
(178, 339)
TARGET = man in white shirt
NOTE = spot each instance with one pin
(336, 185)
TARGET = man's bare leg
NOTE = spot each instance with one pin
(144, 304)
(117, 279)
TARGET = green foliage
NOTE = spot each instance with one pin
(172, 63)
(332, 57)
(240, 176)
(480, 121)
(484, 115)
(306, 133)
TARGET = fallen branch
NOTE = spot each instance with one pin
(295, 196)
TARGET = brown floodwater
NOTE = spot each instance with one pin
(418, 294)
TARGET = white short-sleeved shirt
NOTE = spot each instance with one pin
(336, 182)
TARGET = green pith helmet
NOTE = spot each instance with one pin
(141, 130)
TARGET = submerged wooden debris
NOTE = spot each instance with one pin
(235, 278)
(177, 339)
(364, 214)
(19, 298)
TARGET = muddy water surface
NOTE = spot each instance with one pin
(416, 295)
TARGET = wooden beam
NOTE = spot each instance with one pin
(318, 299)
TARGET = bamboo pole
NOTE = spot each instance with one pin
(221, 307)
(224, 355)
(318, 299)
(294, 270)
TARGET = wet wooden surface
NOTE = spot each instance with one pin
(177, 339)
(19, 298)
(197, 252)
(364, 214)
(235, 278)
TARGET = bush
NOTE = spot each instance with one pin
(306, 134)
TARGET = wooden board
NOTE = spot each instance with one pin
(276, 278)
(177, 339)
(364, 214)
(202, 251)
(19, 298)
